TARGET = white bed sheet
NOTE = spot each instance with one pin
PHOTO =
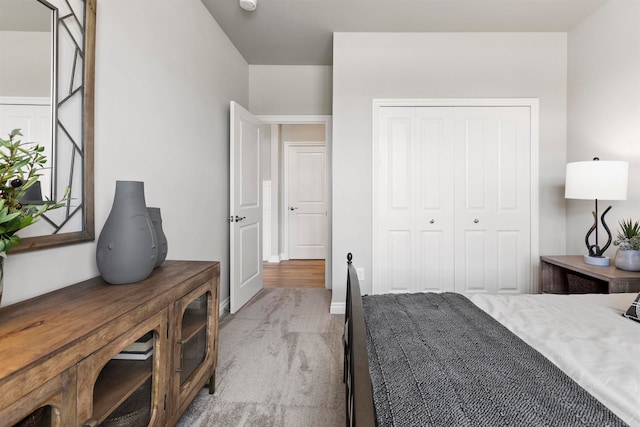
(584, 335)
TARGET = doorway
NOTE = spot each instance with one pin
(297, 222)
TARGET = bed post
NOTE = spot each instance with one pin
(359, 393)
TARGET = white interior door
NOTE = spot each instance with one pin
(245, 218)
(306, 210)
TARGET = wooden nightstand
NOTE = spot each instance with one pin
(568, 274)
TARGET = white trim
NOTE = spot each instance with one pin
(225, 306)
(338, 308)
(287, 120)
(456, 102)
(533, 104)
(274, 259)
(327, 121)
(25, 100)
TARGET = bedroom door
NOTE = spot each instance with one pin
(306, 206)
(452, 199)
(245, 220)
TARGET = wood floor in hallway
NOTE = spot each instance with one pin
(299, 273)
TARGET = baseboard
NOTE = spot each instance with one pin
(274, 258)
(338, 307)
(225, 306)
(284, 257)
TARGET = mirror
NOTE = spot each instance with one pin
(48, 48)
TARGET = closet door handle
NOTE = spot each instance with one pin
(291, 208)
(475, 221)
(432, 221)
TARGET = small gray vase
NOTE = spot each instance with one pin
(127, 247)
(628, 260)
(163, 247)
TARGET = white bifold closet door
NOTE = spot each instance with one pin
(452, 202)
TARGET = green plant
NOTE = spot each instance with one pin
(20, 164)
(628, 235)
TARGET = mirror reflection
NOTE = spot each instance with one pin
(46, 90)
(27, 74)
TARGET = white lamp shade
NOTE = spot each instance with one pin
(597, 179)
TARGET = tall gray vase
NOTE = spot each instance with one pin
(163, 247)
(127, 247)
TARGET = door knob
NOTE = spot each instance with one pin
(475, 221)
(431, 222)
(291, 208)
(240, 218)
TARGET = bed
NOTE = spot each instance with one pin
(446, 359)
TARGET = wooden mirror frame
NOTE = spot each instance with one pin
(88, 229)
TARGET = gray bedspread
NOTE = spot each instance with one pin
(438, 360)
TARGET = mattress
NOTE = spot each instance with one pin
(584, 335)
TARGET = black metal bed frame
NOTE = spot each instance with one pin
(359, 393)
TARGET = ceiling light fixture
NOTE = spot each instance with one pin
(249, 4)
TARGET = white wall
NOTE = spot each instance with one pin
(165, 73)
(25, 64)
(438, 65)
(290, 89)
(604, 109)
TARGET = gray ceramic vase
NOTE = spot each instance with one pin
(628, 260)
(163, 247)
(127, 247)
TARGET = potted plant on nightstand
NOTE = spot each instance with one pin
(628, 242)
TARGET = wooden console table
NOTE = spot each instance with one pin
(69, 356)
(569, 274)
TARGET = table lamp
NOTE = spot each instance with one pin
(597, 180)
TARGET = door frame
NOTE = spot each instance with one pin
(327, 121)
(285, 188)
(532, 103)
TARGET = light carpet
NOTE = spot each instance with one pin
(279, 364)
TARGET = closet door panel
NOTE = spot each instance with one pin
(475, 145)
(393, 201)
(434, 194)
(493, 197)
(513, 204)
(400, 277)
(509, 258)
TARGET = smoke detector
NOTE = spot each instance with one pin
(249, 4)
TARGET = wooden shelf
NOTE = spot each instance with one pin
(117, 381)
(191, 325)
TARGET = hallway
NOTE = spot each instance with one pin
(299, 273)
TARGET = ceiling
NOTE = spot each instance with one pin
(299, 32)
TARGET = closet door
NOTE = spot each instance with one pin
(413, 199)
(452, 198)
(492, 199)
